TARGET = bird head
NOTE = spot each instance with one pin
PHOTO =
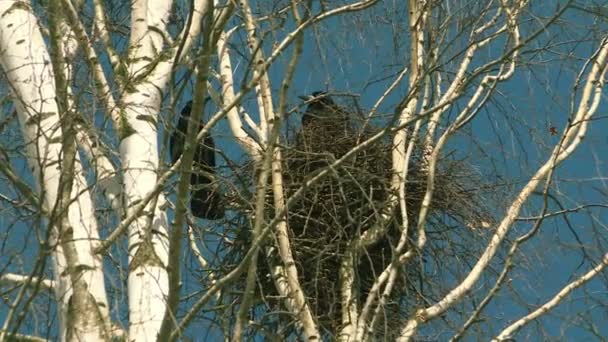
(323, 110)
(318, 100)
(188, 107)
(317, 96)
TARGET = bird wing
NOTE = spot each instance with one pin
(178, 139)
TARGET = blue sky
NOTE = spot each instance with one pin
(506, 143)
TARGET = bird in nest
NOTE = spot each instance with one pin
(322, 111)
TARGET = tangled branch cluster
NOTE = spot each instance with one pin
(341, 206)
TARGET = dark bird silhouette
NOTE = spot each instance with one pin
(326, 133)
(322, 110)
(206, 199)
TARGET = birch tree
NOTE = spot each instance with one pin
(433, 212)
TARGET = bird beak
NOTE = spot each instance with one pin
(306, 97)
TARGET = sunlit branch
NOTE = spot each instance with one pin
(18, 280)
(588, 104)
(508, 332)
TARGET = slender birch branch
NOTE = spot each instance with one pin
(562, 212)
(227, 82)
(108, 178)
(251, 258)
(73, 34)
(269, 121)
(103, 31)
(508, 332)
(23, 337)
(509, 259)
(102, 84)
(588, 104)
(19, 280)
(190, 148)
(192, 238)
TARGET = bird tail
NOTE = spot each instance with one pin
(207, 203)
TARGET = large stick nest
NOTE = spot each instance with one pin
(338, 209)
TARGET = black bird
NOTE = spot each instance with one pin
(323, 111)
(206, 199)
(326, 133)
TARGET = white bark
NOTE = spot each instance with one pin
(134, 110)
(269, 124)
(11, 278)
(507, 333)
(234, 120)
(148, 278)
(148, 234)
(588, 104)
(27, 65)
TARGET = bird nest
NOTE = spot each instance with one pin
(334, 211)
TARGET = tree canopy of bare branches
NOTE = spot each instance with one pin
(374, 170)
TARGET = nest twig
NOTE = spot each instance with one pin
(340, 207)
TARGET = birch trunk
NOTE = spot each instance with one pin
(79, 279)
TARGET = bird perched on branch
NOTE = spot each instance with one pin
(206, 199)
